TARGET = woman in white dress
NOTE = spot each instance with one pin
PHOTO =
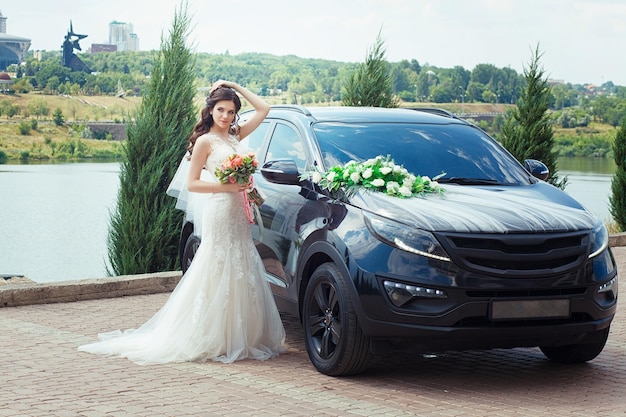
(222, 309)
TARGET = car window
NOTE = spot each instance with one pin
(254, 141)
(424, 149)
(287, 144)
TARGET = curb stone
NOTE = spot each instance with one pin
(26, 293)
(618, 239)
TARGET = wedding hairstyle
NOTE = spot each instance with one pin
(206, 117)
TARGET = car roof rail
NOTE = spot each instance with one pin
(435, 110)
(292, 107)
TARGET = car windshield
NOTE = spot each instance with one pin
(465, 154)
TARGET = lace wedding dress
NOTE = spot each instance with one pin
(222, 309)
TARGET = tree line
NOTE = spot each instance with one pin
(316, 81)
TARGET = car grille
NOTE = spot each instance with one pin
(517, 255)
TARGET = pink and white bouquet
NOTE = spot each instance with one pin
(239, 169)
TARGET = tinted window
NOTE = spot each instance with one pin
(423, 149)
(254, 141)
(286, 144)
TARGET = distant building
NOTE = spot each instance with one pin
(5, 82)
(102, 47)
(12, 48)
(133, 42)
(121, 35)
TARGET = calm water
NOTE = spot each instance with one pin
(589, 182)
(54, 218)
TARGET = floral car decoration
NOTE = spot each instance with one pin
(380, 174)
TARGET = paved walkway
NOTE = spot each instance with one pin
(42, 374)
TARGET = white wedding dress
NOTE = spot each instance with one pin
(222, 309)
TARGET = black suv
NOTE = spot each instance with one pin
(502, 259)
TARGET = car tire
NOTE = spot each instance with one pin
(578, 353)
(189, 251)
(333, 337)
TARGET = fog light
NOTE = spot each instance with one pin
(400, 293)
(608, 286)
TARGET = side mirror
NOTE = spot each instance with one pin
(282, 171)
(537, 169)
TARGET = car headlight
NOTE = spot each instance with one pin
(405, 237)
(599, 240)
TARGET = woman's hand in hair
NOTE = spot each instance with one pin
(223, 83)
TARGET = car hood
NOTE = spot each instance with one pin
(484, 209)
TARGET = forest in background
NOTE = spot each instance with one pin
(585, 116)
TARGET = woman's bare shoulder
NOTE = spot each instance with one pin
(208, 137)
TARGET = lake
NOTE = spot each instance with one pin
(55, 217)
(589, 182)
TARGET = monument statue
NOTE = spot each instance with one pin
(70, 59)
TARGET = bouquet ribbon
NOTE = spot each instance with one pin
(246, 205)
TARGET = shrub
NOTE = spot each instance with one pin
(58, 117)
(24, 128)
(617, 199)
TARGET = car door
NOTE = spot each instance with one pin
(277, 236)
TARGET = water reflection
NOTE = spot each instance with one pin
(587, 165)
(589, 181)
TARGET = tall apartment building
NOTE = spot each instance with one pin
(3, 23)
(121, 34)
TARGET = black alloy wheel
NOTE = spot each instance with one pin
(191, 247)
(333, 338)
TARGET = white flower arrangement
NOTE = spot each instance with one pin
(377, 174)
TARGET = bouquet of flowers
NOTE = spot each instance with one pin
(239, 169)
(377, 174)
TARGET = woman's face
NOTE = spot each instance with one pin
(224, 113)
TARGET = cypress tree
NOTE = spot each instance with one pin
(617, 200)
(145, 225)
(371, 84)
(527, 130)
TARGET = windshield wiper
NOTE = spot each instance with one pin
(468, 181)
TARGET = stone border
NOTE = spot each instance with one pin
(618, 239)
(19, 294)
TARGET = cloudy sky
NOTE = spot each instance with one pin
(582, 41)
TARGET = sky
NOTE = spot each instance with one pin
(581, 41)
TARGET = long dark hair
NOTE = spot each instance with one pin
(206, 119)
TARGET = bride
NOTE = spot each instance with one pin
(222, 309)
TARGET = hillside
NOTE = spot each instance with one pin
(78, 108)
(48, 141)
(108, 108)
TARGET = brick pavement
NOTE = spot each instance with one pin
(42, 374)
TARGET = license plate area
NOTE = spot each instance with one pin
(529, 309)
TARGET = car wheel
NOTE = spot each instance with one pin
(333, 338)
(578, 353)
(189, 251)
